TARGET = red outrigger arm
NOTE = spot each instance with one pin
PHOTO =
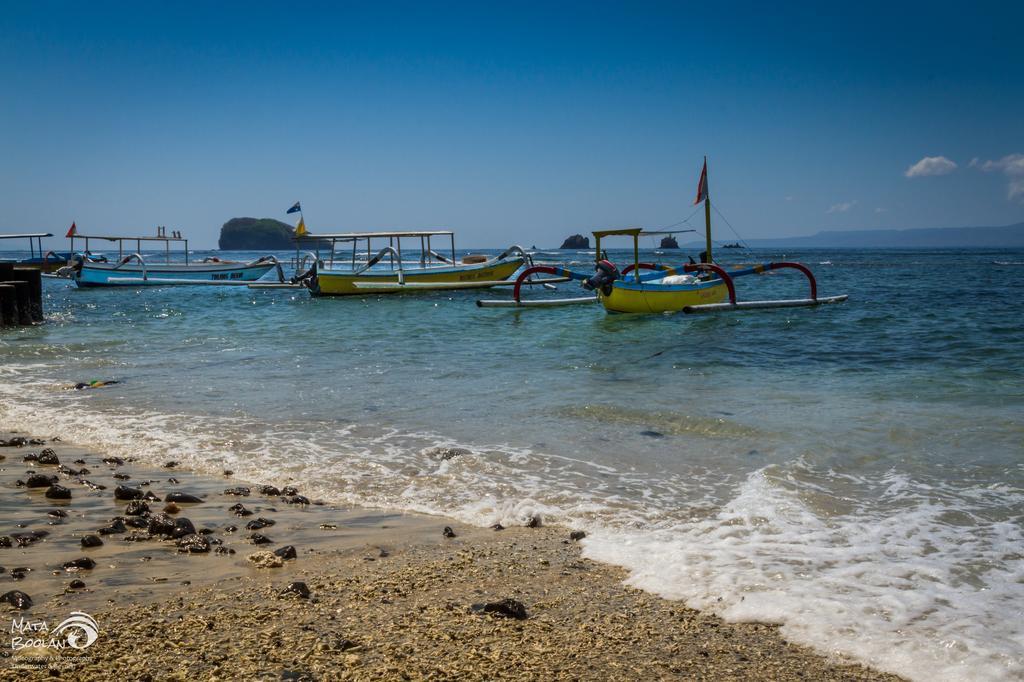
(721, 272)
(547, 269)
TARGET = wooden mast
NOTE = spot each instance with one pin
(707, 211)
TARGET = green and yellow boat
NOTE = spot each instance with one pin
(387, 271)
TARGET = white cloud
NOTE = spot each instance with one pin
(1012, 166)
(842, 207)
(931, 165)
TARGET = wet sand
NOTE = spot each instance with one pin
(390, 596)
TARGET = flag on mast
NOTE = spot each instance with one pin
(72, 231)
(300, 229)
(702, 185)
(297, 208)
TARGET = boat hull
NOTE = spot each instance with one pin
(345, 283)
(51, 264)
(643, 297)
(104, 274)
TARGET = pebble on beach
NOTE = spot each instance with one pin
(17, 599)
(265, 560)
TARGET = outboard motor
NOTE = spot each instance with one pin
(605, 273)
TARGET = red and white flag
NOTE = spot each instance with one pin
(73, 231)
(702, 185)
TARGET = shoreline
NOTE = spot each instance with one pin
(389, 594)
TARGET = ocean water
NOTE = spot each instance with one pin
(852, 472)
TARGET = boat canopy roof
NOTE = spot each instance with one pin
(27, 235)
(130, 239)
(636, 232)
(352, 236)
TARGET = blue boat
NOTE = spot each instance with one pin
(47, 262)
(134, 270)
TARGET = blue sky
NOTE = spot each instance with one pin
(509, 123)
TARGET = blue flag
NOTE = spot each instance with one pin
(296, 208)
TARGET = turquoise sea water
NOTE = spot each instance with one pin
(854, 472)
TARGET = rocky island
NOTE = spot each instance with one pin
(576, 241)
(256, 234)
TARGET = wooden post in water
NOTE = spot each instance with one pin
(8, 305)
(21, 295)
(34, 278)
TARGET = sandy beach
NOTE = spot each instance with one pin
(368, 595)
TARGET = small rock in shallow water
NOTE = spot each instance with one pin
(260, 523)
(172, 480)
(57, 513)
(91, 541)
(116, 526)
(48, 456)
(136, 508)
(170, 465)
(161, 524)
(122, 477)
(448, 532)
(181, 498)
(150, 496)
(193, 544)
(297, 588)
(171, 508)
(16, 442)
(287, 552)
(6, 541)
(448, 453)
(240, 491)
(58, 492)
(269, 490)
(137, 521)
(77, 585)
(230, 529)
(239, 510)
(265, 560)
(223, 550)
(83, 564)
(258, 539)
(577, 535)
(124, 492)
(296, 499)
(17, 599)
(534, 522)
(652, 434)
(289, 490)
(497, 526)
(115, 461)
(228, 473)
(40, 481)
(182, 527)
(506, 608)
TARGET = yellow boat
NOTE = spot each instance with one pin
(387, 273)
(668, 290)
(653, 288)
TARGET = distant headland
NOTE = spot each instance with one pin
(1008, 236)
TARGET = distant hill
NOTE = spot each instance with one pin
(256, 234)
(1009, 236)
